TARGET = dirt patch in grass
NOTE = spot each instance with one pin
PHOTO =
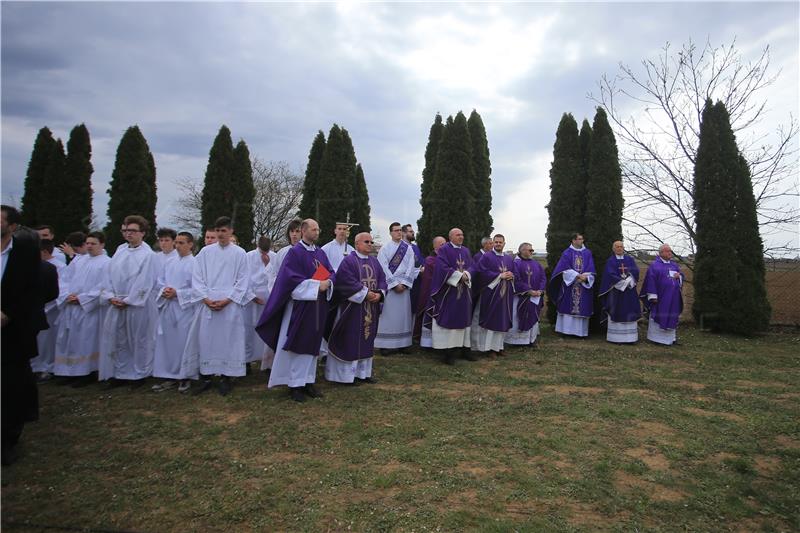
(767, 465)
(759, 384)
(571, 389)
(721, 457)
(650, 456)
(647, 431)
(690, 384)
(710, 414)
(584, 515)
(392, 387)
(461, 500)
(789, 443)
(641, 392)
(625, 482)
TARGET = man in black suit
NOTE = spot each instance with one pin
(25, 284)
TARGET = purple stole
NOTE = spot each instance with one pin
(353, 334)
(398, 256)
(575, 299)
(531, 278)
(450, 306)
(620, 306)
(307, 322)
(658, 281)
(497, 303)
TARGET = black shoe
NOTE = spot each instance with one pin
(136, 383)
(404, 351)
(369, 380)
(113, 383)
(311, 392)
(468, 355)
(224, 386)
(9, 455)
(386, 352)
(449, 357)
(247, 369)
(296, 394)
(204, 386)
(84, 381)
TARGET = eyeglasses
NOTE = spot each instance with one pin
(367, 242)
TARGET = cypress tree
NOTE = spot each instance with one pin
(53, 209)
(585, 140)
(244, 194)
(454, 171)
(431, 151)
(483, 223)
(751, 309)
(604, 202)
(34, 191)
(714, 202)
(133, 187)
(567, 189)
(335, 184)
(308, 205)
(76, 197)
(218, 194)
(361, 209)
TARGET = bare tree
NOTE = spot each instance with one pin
(278, 194)
(656, 112)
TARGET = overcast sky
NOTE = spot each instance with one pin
(277, 73)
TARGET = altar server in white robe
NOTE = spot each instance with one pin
(338, 249)
(127, 342)
(82, 311)
(220, 280)
(397, 319)
(166, 241)
(42, 364)
(176, 303)
(258, 264)
(293, 235)
(46, 234)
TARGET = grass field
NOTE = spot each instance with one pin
(576, 436)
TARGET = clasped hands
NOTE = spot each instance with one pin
(373, 297)
(216, 305)
(324, 285)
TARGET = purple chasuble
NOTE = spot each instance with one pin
(353, 334)
(620, 306)
(497, 303)
(574, 299)
(450, 306)
(531, 278)
(659, 281)
(307, 322)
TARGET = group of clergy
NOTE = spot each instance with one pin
(205, 318)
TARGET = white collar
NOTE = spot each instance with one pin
(362, 256)
(498, 254)
(664, 260)
(620, 257)
(582, 248)
(10, 245)
(455, 245)
(309, 247)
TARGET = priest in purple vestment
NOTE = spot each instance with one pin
(618, 296)
(496, 274)
(360, 288)
(570, 289)
(661, 293)
(294, 318)
(529, 298)
(450, 311)
(423, 333)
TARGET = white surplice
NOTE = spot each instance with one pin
(127, 338)
(175, 317)
(259, 286)
(77, 349)
(397, 318)
(215, 343)
(516, 337)
(445, 338)
(46, 339)
(623, 332)
(483, 339)
(337, 252)
(161, 260)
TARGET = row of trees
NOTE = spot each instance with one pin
(58, 186)
(585, 191)
(334, 188)
(456, 188)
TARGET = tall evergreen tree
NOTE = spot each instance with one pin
(454, 172)
(604, 202)
(567, 188)
(335, 183)
(244, 194)
(425, 235)
(34, 192)
(308, 205)
(76, 197)
(361, 209)
(585, 140)
(53, 210)
(483, 223)
(218, 196)
(714, 200)
(133, 187)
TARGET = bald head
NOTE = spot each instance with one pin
(364, 243)
(618, 248)
(456, 236)
(309, 229)
(438, 241)
(665, 252)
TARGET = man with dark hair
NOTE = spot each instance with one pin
(495, 273)
(338, 248)
(127, 340)
(74, 245)
(82, 311)
(293, 235)
(397, 319)
(570, 289)
(215, 344)
(24, 290)
(42, 364)
(258, 264)
(166, 242)
(46, 234)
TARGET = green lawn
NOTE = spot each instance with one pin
(577, 436)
